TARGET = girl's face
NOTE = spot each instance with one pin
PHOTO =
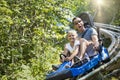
(78, 24)
(71, 37)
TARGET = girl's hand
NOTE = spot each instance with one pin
(68, 58)
(61, 60)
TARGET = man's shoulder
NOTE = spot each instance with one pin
(92, 29)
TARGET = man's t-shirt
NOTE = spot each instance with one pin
(87, 34)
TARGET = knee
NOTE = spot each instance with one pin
(84, 42)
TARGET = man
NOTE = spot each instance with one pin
(89, 34)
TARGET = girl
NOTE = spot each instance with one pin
(73, 46)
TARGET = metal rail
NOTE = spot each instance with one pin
(112, 37)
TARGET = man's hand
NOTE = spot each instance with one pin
(95, 42)
(96, 46)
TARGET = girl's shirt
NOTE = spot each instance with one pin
(70, 48)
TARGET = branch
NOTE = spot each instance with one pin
(112, 73)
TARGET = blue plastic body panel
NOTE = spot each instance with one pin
(104, 53)
(61, 68)
(85, 67)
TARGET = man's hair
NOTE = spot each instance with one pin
(74, 19)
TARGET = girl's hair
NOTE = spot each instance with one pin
(72, 31)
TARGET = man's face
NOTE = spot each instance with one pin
(78, 24)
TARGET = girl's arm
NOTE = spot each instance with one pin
(65, 52)
(73, 54)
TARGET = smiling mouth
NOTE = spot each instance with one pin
(72, 38)
(80, 26)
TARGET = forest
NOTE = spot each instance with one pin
(33, 32)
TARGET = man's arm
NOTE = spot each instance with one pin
(95, 41)
(83, 45)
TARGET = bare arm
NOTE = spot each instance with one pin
(83, 45)
(65, 52)
(95, 41)
(73, 54)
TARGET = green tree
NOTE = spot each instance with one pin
(30, 36)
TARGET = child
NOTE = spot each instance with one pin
(72, 48)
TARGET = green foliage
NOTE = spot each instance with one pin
(105, 13)
(30, 38)
(117, 19)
